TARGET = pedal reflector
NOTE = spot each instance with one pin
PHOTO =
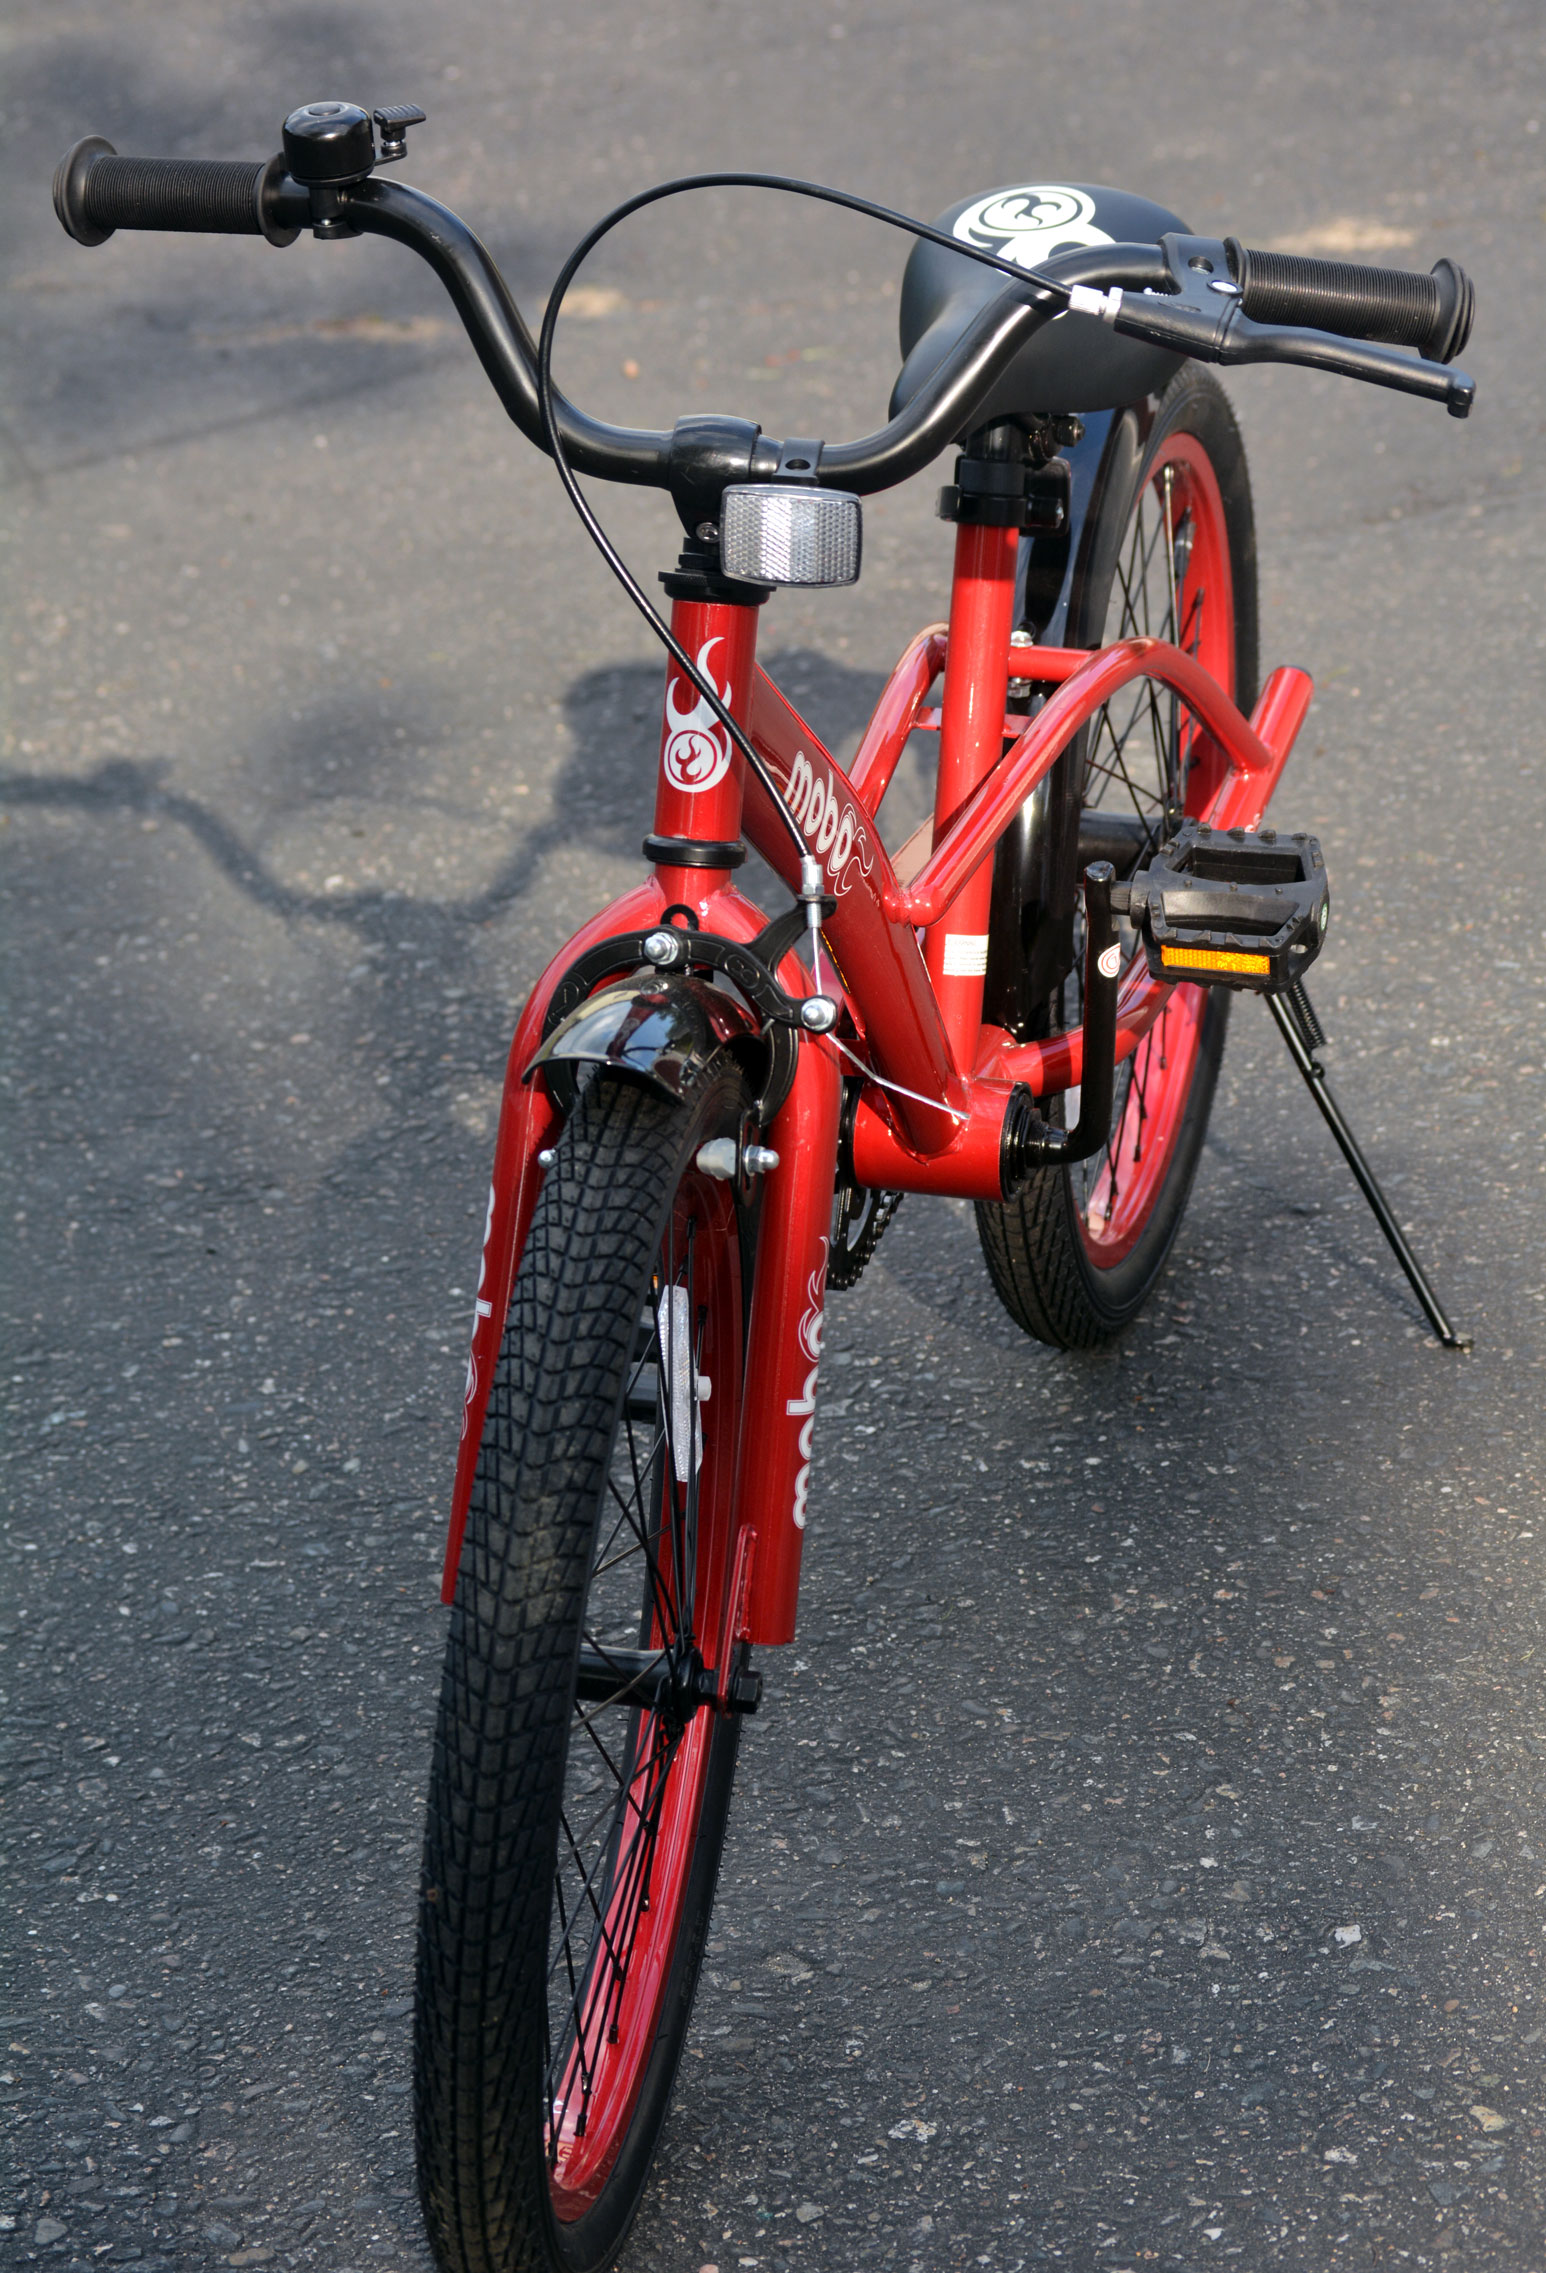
(1232, 907)
(1215, 959)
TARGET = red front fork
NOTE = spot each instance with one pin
(783, 1349)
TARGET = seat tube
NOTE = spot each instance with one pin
(700, 785)
(971, 743)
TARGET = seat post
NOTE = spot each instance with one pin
(971, 741)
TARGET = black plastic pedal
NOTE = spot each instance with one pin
(1232, 907)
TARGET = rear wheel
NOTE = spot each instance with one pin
(581, 1781)
(1171, 555)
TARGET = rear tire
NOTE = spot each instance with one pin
(1171, 553)
(573, 1837)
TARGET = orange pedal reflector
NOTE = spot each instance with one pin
(1214, 959)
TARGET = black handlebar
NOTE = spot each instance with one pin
(1204, 314)
(940, 411)
(1431, 313)
(1217, 302)
(498, 331)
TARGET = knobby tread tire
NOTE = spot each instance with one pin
(1032, 1244)
(503, 1723)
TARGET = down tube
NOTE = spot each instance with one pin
(783, 1353)
(880, 962)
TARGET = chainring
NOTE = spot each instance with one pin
(859, 1220)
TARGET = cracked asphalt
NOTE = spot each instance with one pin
(1139, 1859)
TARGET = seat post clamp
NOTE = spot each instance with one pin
(995, 494)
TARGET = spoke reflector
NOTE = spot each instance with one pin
(674, 1318)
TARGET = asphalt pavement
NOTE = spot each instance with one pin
(1138, 1860)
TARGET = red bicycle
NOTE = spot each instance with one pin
(709, 1116)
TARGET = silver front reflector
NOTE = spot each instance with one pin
(790, 536)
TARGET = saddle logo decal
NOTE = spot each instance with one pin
(697, 752)
(832, 828)
(1026, 225)
(803, 1407)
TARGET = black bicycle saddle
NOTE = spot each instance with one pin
(1077, 363)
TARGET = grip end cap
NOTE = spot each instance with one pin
(70, 189)
(1457, 312)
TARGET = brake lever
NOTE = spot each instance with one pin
(1201, 316)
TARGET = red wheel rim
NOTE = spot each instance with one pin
(1175, 583)
(618, 1905)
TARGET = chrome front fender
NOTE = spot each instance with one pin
(665, 1032)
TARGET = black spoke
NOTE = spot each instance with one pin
(596, 1985)
(621, 1772)
(652, 1568)
(605, 1559)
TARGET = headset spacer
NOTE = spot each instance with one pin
(694, 852)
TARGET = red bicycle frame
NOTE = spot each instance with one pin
(908, 951)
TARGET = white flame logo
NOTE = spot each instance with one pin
(697, 752)
(1025, 225)
(803, 1407)
(810, 1325)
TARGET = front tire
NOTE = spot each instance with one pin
(573, 1834)
(1170, 553)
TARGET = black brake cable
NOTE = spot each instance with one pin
(685, 663)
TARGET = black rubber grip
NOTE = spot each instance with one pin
(219, 195)
(1393, 305)
(96, 192)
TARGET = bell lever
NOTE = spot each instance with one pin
(394, 123)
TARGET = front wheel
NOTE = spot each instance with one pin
(1171, 554)
(582, 1769)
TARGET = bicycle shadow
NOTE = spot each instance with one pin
(425, 947)
(932, 1255)
(603, 795)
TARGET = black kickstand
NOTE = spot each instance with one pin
(1304, 1034)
